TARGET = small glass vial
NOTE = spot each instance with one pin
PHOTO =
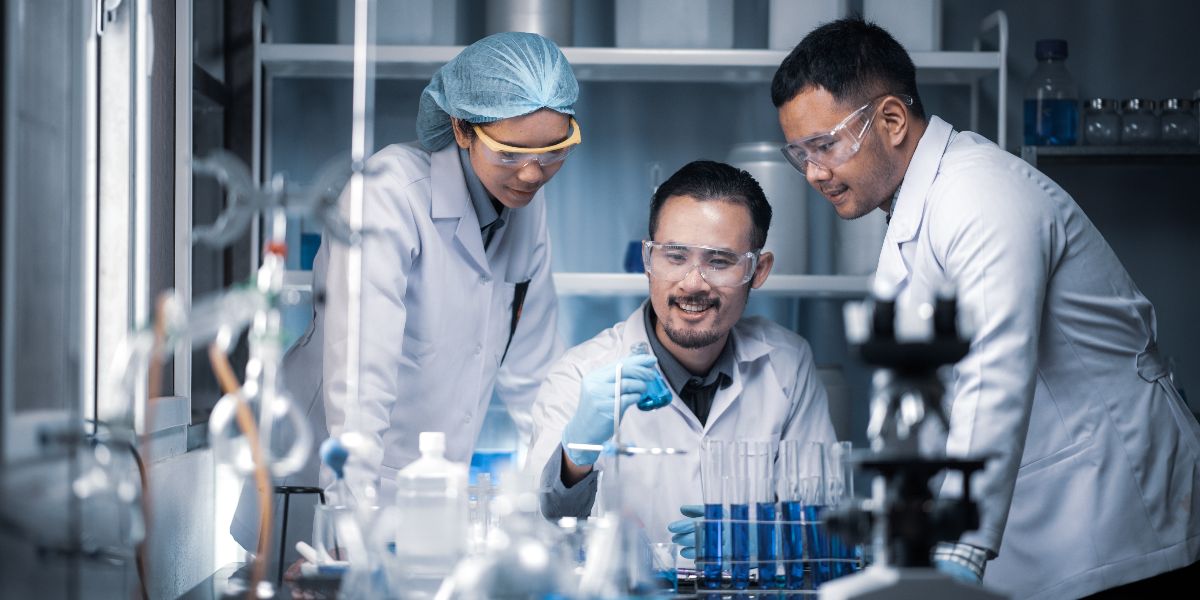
(1179, 127)
(1139, 124)
(1101, 123)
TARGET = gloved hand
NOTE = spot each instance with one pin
(593, 419)
(683, 531)
(957, 571)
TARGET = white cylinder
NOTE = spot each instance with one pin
(916, 24)
(787, 191)
(791, 20)
(551, 18)
(858, 243)
(674, 23)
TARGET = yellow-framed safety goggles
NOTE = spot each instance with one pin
(515, 156)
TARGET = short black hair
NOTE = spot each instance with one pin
(853, 60)
(710, 180)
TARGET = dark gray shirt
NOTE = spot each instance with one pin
(697, 392)
(489, 212)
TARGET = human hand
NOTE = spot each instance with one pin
(593, 419)
(683, 531)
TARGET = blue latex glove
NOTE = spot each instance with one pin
(957, 571)
(683, 531)
(593, 419)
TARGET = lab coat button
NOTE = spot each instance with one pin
(478, 349)
(484, 280)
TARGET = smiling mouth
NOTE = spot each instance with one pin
(694, 306)
(835, 192)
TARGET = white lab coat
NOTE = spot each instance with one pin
(775, 394)
(437, 312)
(1096, 481)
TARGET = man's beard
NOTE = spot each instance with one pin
(689, 338)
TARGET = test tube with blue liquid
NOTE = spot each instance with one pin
(761, 465)
(802, 492)
(840, 488)
(713, 484)
(657, 394)
(739, 515)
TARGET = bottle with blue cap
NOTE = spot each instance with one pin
(1051, 98)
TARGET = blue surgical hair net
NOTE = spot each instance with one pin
(501, 76)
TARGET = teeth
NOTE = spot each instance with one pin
(693, 307)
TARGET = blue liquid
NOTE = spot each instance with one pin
(840, 550)
(817, 543)
(657, 394)
(793, 546)
(766, 544)
(713, 547)
(739, 514)
(1051, 122)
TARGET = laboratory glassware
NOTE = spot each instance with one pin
(431, 498)
(1051, 98)
(1101, 122)
(658, 393)
(713, 487)
(1139, 124)
(1179, 126)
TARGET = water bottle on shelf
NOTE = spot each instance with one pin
(1051, 98)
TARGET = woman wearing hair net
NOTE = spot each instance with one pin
(457, 296)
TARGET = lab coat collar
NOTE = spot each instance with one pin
(908, 207)
(452, 200)
(909, 203)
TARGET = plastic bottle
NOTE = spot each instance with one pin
(1051, 99)
(431, 501)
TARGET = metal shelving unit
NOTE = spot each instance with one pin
(723, 66)
(1110, 154)
(634, 284)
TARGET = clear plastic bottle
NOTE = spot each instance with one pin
(1051, 99)
(431, 498)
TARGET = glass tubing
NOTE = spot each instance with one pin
(765, 510)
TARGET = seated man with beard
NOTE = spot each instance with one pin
(731, 378)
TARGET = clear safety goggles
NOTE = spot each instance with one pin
(721, 268)
(516, 156)
(833, 149)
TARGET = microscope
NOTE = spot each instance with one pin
(904, 520)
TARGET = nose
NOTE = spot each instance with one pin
(693, 282)
(530, 172)
(815, 173)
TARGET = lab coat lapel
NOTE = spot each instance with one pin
(452, 201)
(746, 350)
(909, 206)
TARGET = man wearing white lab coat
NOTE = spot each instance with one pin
(731, 378)
(1093, 480)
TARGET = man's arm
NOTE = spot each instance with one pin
(993, 236)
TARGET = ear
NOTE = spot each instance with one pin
(766, 260)
(464, 140)
(895, 120)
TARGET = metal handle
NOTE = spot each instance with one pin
(106, 12)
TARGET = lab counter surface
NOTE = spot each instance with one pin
(217, 586)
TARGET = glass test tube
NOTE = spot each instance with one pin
(802, 484)
(739, 515)
(840, 488)
(761, 465)
(713, 485)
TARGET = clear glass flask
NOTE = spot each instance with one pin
(1101, 122)
(1178, 122)
(1139, 124)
